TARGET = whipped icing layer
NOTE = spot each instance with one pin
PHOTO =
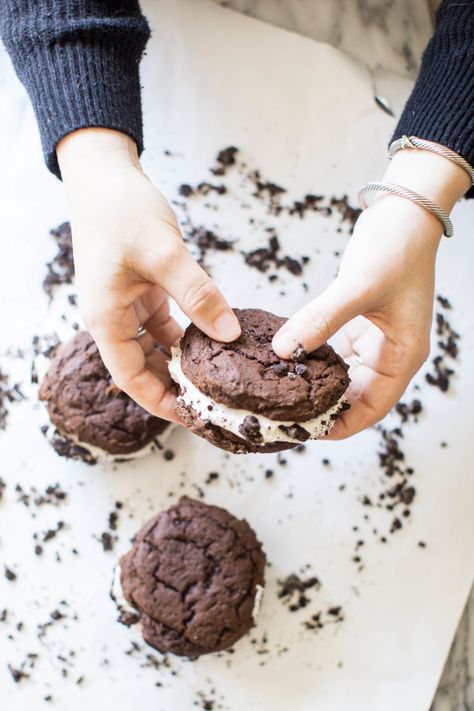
(259, 590)
(232, 419)
(117, 595)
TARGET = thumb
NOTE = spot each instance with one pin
(316, 322)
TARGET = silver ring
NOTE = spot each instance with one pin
(356, 359)
(141, 332)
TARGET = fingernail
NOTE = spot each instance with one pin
(227, 326)
(284, 343)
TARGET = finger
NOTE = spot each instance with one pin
(378, 382)
(316, 322)
(153, 313)
(147, 343)
(378, 351)
(196, 294)
(372, 396)
(142, 376)
(131, 372)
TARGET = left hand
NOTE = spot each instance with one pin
(382, 298)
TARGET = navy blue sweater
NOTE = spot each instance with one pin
(79, 61)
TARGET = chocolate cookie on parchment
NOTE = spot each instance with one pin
(83, 402)
(193, 579)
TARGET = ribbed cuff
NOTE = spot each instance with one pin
(79, 62)
(441, 106)
(80, 86)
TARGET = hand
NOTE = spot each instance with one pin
(382, 298)
(129, 256)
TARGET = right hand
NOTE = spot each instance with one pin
(129, 256)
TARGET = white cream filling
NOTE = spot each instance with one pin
(231, 419)
(117, 593)
(101, 455)
(259, 590)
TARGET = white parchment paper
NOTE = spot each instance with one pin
(304, 115)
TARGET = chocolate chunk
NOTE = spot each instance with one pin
(442, 375)
(66, 447)
(280, 368)
(9, 574)
(406, 410)
(205, 188)
(407, 495)
(263, 258)
(185, 190)
(293, 590)
(296, 432)
(17, 674)
(293, 266)
(299, 354)
(301, 369)
(225, 159)
(107, 541)
(61, 268)
(206, 240)
(443, 301)
(128, 618)
(250, 429)
(346, 211)
(8, 394)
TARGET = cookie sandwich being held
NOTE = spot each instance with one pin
(242, 397)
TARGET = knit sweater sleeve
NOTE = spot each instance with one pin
(79, 61)
(441, 105)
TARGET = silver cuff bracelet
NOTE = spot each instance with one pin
(399, 190)
(414, 142)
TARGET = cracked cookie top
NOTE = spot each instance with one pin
(83, 401)
(192, 574)
(247, 374)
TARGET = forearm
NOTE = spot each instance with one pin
(88, 152)
(79, 62)
(404, 232)
(441, 106)
(431, 175)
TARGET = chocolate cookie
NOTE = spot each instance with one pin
(193, 579)
(242, 397)
(83, 401)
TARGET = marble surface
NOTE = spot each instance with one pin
(394, 32)
(394, 36)
(456, 688)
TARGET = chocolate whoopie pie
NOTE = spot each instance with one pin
(242, 397)
(193, 579)
(82, 401)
